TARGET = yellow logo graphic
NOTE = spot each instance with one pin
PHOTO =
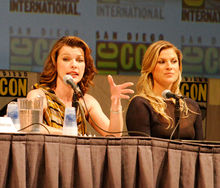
(108, 1)
(13, 87)
(194, 3)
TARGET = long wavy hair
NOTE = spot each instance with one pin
(49, 75)
(145, 83)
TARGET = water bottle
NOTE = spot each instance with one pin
(12, 112)
(70, 124)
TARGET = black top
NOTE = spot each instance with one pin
(142, 117)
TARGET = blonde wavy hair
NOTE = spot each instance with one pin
(145, 83)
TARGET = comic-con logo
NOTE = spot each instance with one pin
(29, 53)
(201, 60)
(13, 86)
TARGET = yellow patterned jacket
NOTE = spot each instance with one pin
(54, 114)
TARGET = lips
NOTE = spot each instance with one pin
(169, 73)
(73, 74)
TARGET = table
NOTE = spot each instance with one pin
(37, 160)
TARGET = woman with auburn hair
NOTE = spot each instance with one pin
(149, 113)
(71, 56)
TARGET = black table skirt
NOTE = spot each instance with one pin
(35, 160)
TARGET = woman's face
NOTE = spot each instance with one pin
(166, 70)
(71, 61)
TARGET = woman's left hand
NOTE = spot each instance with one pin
(119, 91)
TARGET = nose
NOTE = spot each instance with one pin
(74, 63)
(169, 65)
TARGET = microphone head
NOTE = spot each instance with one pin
(166, 93)
(67, 77)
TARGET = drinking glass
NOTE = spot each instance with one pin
(30, 114)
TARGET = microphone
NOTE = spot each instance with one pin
(167, 94)
(69, 80)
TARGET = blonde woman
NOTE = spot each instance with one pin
(148, 112)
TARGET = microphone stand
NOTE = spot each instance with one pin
(77, 104)
(75, 99)
(177, 116)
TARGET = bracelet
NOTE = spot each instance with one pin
(116, 112)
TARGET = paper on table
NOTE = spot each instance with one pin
(6, 125)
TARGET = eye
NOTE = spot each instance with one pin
(66, 58)
(161, 62)
(174, 61)
(81, 60)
